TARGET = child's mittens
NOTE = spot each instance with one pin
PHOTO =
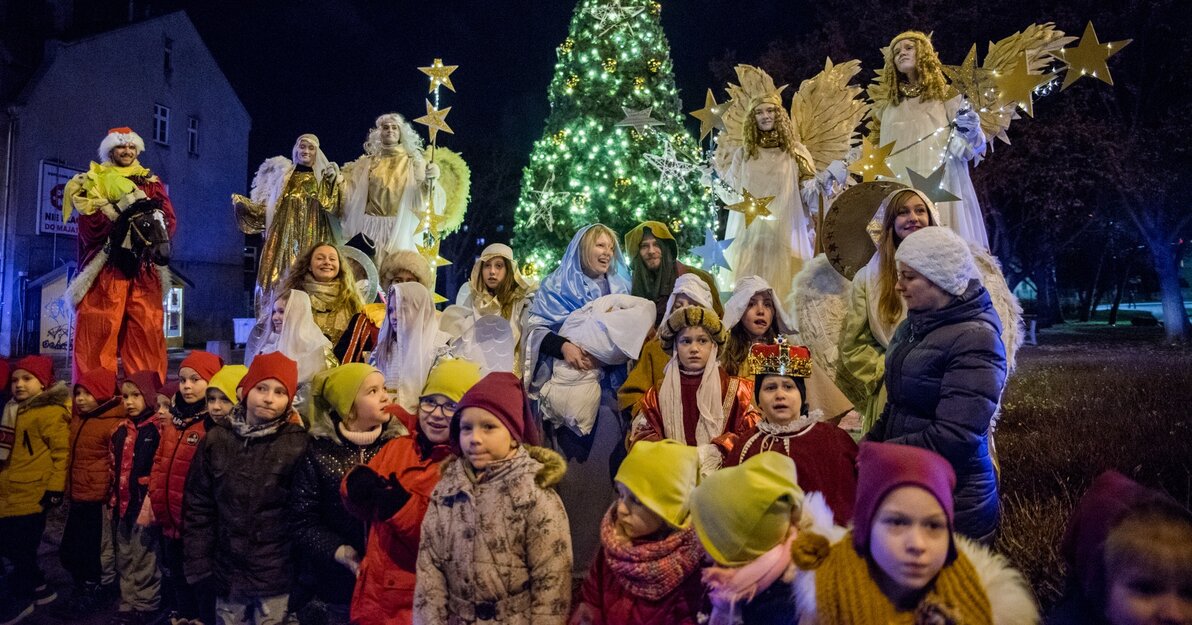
(51, 499)
(371, 496)
(347, 556)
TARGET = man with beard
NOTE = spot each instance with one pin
(655, 266)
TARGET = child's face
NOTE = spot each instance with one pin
(634, 519)
(1141, 597)
(24, 385)
(267, 400)
(909, 539)
(693, 348)
(483, 438)
(84, 400)
(778, 398)
(759, 314)
(278, 315)
(218, 404)
(134, 401)
(371, 400)
(191, 385)
(434, 417)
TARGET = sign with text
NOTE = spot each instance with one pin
(50, 187)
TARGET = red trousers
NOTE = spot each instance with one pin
(121, 316)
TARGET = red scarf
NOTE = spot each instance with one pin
(649, 569)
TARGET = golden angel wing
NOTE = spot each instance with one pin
(826, 112)
(751, 82)
(878, 93)
(456, 180)
(1040, 43)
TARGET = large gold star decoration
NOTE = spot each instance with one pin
(932, 186)
(872, 162)
(439, 74)
(976, 83)
(435, 120)
(1089, 56)
(752, 207)
(430, 221)
(1019, 85)
(431, 254)
(709, 117)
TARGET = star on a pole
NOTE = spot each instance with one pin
(439, 74)
(872, 162)
(431, 254)
(638, 119)
(669, 167)
(1019, 84)
(711, 253)
(751, 207)
(435, 120)
(976, 83)
(1089, 56)
(430, 221)
(709, 117)
(932, 186)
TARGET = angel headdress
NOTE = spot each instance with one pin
(934, 124)
(773, 159)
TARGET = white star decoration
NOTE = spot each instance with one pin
(711, 253)
(669, 168)
(613, 14)
(542, 211)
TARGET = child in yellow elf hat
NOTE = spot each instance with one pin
(221, 391)
(647, 568)
(747, 517)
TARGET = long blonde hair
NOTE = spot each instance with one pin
(889, 303)
(348, 297)
(782, 123)
(588, 240)
(927, 66)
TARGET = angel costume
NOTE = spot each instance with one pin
(295, 205)
(299, 339)
(408, 343)
(475, 300)
(587, 487)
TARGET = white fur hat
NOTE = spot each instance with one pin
(941, 256)
(119, 136)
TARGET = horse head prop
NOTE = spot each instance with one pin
(140, 236)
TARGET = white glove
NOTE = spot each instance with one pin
(968, 123)
(347, 556)
(710, 459)
(432, 171)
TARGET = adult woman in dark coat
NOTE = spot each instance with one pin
(945, 371)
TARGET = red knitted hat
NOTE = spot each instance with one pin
(500, 393)
(273, 365)
(40, 366)
(204, 363)
(148, 383)
(883, 467)
(101, 383)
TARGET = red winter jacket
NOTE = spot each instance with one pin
(134, 444)
(171, 463)
(384, 593)
(613, 605)
(89, 478)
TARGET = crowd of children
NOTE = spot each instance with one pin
(430, 489)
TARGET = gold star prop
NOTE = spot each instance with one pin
(430, 221)
(439, 74)
(873, 161)
(638, 119)
(752, 207)
(435, 120)
(431, 254)
(932, 186)
(976, 83)
(1019, 85)
(1088, 57)
(709, 117)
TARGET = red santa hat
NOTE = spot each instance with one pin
(204, 363)
(40, 367)
(122, 135)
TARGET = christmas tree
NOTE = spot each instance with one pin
(613, 104)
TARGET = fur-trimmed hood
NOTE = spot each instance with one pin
(548, 469)
(56, 394)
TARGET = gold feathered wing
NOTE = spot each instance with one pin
(826, 112)
(1040, 43)
(751, 82)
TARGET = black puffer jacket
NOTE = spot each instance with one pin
(235, 507)
(945, 371)
(319, 520)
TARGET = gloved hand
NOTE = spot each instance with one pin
(372, 496)
(968, 123)
(347, 556)
(432, 171)
(51, 499)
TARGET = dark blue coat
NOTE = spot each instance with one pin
(945, 371)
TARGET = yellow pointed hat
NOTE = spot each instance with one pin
(662, 475)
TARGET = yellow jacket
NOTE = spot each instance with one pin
(39, 456)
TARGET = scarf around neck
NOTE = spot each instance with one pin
(650, 569)
(709, 398)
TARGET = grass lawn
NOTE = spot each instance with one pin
(1087, 398)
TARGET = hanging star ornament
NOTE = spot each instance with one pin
(1019, 84)
(613, 14)
(435, 120)
(709, 117)
(932, 186)
(669, 167)
(872, 162)
(752, 207)
(638, 119)
(431, 254)
(1089, 56)
(711, 253)
(439, 74)
(542, 211)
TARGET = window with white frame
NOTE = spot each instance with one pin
(161, 124)
(192, 135)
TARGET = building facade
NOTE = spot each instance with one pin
(157, 77)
